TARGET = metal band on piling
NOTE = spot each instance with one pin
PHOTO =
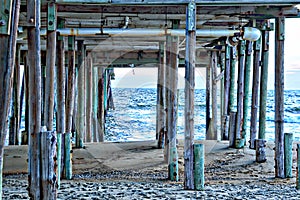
(288, 154)
(199, 166)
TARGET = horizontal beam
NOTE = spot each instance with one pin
(177, 2)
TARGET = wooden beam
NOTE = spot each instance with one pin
(189, 97)
(279, 96)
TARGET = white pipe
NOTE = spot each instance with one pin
(248, 33)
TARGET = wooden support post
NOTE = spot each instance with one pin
(50, 67)
(254, 102)
(8, 40)
(101, 118)
(172, 109)
(190, 59)
(225, 115)
(232, 120)
(48, 165)
(17, 92)
(233, 55)
(298, 168)
(208, 99)
(96, 126)
(279, 96)
(160, 103)
(288, 155)
(167, 96)
(214, 105)
(89, 99)
(246, 99)
(69, 108)
(240, 94)
(199, 157)
(34, 64)
(260, 145)
(61, 103)
(48, 139)
(81, 95)
(264, 81)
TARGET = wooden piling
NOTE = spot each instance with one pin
(233, 55)
(89, 99)
(288, 155)
(190, 59)
(96, 125)
(232, 120)
(208, 99)
(69, 108)
(246, 99)
(81, 95)
(48, 165)
(240, 91)
(61, 103)
(34, 64)
(8, 40)
(172, 109)
(199, 166)
(214, 96)
(101, 118)
(255, 87)
(160, 103)
(298, 168)
(279, 96)
(50, 67)
(264, 82)
(260, 145)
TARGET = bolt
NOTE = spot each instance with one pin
(2, 23)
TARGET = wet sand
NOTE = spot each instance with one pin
(136, 170)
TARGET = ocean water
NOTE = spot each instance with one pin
(134, 117)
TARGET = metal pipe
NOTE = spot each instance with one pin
(248, 33)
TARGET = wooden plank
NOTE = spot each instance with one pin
(214, 97)
(189, 97)
(80, 118)
(254, 100)
(279, 96)
(160, 103)
(34, 64)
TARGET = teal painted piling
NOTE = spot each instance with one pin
(247, 75)
(298, 168)
(173, 165)
(58, 161)
(68, 156)
(232, 79)
(199, 160)
(263, 84)
(288, 154)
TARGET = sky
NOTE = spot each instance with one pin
(147, 77)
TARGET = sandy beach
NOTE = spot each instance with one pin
(136, 170)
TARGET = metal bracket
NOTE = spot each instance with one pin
(191, 17)
(61, 24)
(5, 16)
(51, 19)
